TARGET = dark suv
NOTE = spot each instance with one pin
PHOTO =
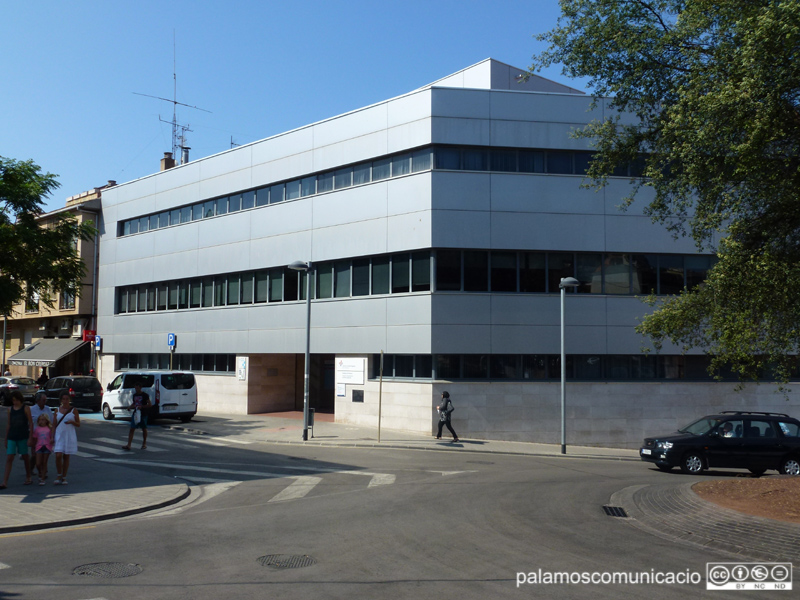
(84, 391)
(739, 440)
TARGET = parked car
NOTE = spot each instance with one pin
(25, 385)
(757, 441)
(84, 390)
(172, 394)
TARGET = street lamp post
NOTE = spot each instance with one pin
(566, 282)
(306, 267)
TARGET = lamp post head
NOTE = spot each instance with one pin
(300, 265)
(568, 282)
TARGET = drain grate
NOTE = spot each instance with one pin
(286, 561)
(615, 511)
(108, 570)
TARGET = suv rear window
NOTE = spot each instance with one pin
(131, 380)
(85, 384)
(178, 381)
(789, 429)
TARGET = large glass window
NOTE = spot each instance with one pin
(504, 271)
(476, 271)
(151, 297)
(381, 169)
(475, 159)
(616, 274)
(293, 189)
(247, 288)
(421, 160)
(197, 211)
(343, 178)
(222, 206)
(380, 275)
(142, 302)
(235, 203)
(276, 285)
(505, 366)
(276, 193)
(262, 286)
(342, 268)
(670, 272)
(448, 366)
(248, 200)
(290, 286)
(308, 186)
(697, 268)
(589, 272)
(448, 158)
(172, 298)
(186, 214)
(208, 291)
(262, 196)
(209, 208)
(325, 280)
(559, 266)
(559, 162)
(645, 274)
(531, 161)
(361, 174)
(233, 289)
(420, 271)
(220, 290)
(504, 160)
(400, 273)
(533, 272)
(361, 277)
(448, 270)
(183, 295)
(161, 297)
(325, 182)
(401, 165)
(476, 366)
(144, 224)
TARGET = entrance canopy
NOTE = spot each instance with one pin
(45, 353)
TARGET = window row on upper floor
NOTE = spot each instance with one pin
(506, 160)
(442, 270)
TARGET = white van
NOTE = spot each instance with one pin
(173, 394)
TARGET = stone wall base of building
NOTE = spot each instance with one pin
(613, 415)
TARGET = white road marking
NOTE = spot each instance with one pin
(4, 566)
(446, 473)
(302, 485)
(85, 455)
(150, 446)
(106, 449)
(377, 478)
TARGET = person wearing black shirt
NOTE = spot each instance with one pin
(140, 403)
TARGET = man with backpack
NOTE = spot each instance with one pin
(445, 409)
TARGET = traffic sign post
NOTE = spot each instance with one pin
(172, 340)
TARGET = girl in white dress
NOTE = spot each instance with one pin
(66, 438)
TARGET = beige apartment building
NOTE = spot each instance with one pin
(58, 338)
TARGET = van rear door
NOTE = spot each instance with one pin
(178, 394)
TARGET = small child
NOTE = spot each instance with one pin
(43, 436)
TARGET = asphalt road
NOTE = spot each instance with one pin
(375, 523)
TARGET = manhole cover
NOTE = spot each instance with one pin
(286, 561)
(108, 570)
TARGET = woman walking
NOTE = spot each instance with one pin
(18, 431)
(66, 438)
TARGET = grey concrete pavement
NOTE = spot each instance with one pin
(101, 490)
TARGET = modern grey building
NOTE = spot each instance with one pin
(438, 224)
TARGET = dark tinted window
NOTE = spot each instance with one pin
(85, 384)
(132, 379)
(178, 381)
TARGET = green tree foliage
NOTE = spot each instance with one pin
(34, 260)
(715, 89)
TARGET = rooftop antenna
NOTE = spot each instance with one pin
(178, 139)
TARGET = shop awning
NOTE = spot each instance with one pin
(45, 353)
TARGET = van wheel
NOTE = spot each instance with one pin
(186, 418)
(107, 414)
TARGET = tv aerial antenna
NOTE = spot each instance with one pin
(178, 139)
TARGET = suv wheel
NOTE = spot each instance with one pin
(790, 466)
(107, 414)
(692, 463)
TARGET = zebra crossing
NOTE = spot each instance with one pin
(114, 447)
(301, 480)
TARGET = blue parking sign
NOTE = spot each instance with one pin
(171, 341)
(98, 342)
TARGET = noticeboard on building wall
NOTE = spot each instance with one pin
(350, 370)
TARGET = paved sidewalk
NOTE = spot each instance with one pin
(100, 490)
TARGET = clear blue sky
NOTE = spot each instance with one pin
(261, 67)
